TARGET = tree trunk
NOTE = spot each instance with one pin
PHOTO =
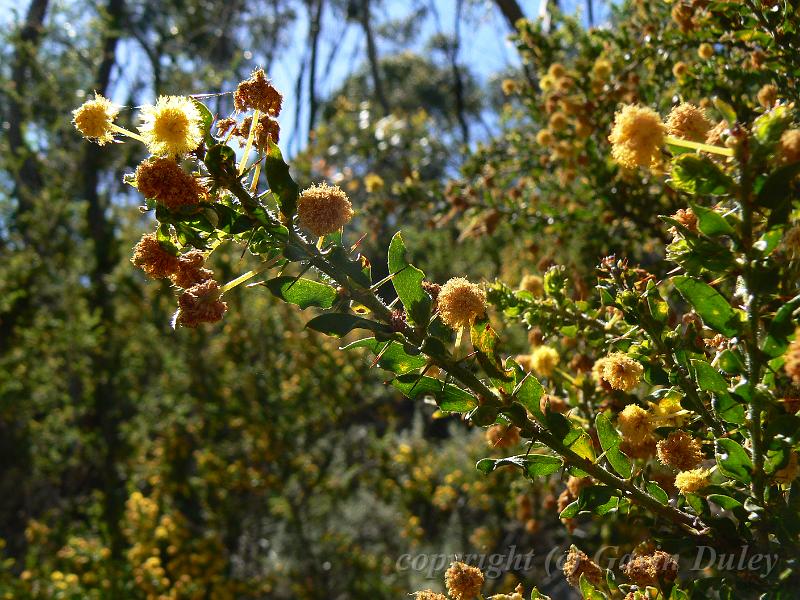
(511, 11)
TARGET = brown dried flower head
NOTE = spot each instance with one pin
(578, 564)
(152, 258)
(680, 451)
(792, 358)
(502, 436)
(163, 180)
(533, 284)
(463, 582)
(651, 569)
(257, 93)
(429, 595)
(461, 302)
(683, 15)
(323, 209)
(715, 135)
(266, 129)
(201, 304)
(768, 95)
(517, 594)
(687, 218)
(190, 270)
(689, 122)
(789, 146)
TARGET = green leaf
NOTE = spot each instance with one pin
(450, 398)
(533, 465)
(695, 174)
(280, 181)
(356, 268)
(537, 595)
(206, 119)
(484, 415)
(221, 161)
(303, 292)
(529, 393)
(656, 492)
(708, 378)
(393, 356)
(725, 502)
(571, 435)
(728, 409)
(407, 281)
(610, 441)
(710, 222)
(588, 591)
(485, 341)
(733, 461)
(596, 499)
(780, 329)
(725, 109)
(709, 304)
(776, 191)
(769, 126)
(340, 324)
(729, 362)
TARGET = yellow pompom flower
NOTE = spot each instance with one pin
(621, 373)
(601, 70)
(544, 360)
(637, 136)
(705, 51)
(461, 302)
(688, 482)
(323, 209)
(689, 122)
(172, 126)
(635, 424)
(94, 119)
(680, 70)
(544, 137)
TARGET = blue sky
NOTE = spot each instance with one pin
(485, 47)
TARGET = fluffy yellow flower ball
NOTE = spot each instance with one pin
(172, 126)
(637, 137)
(94, 119)
(688, 482)
(544, 360)
(461, 302)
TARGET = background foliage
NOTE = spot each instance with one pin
(253, 458)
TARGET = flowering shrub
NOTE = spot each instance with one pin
(669, 398)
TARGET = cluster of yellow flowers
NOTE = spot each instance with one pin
(464, 582)
(172, 129)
